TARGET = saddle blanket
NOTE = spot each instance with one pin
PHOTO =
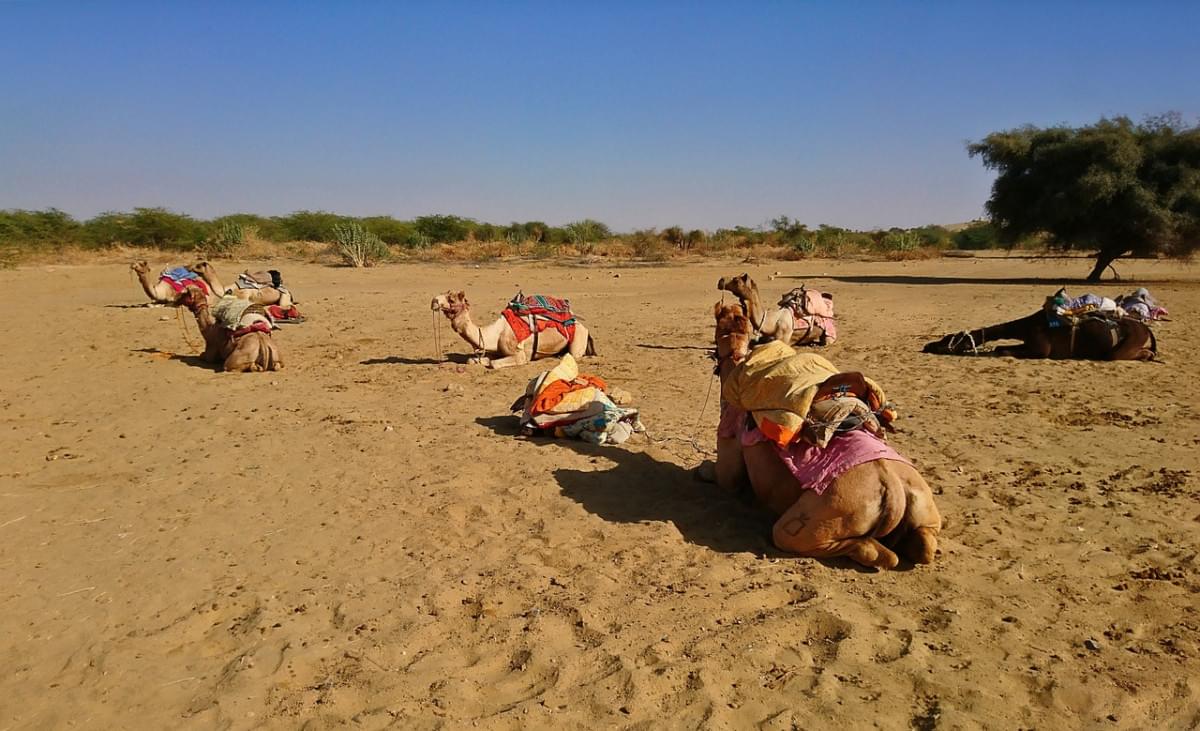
(815, 468)
(546, 312)
(181, 277)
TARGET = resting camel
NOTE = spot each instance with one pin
(1088, 338)
(158, 290)
(247, 349)
(869, 513)
(779, 324)
(266, 295)
(496, 345)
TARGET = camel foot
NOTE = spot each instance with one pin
(919, 546)
(870, 552)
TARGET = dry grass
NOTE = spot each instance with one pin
(645, 249)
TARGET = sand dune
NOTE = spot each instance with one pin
(360, 539)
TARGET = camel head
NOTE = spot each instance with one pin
(202, 268)
(733, 332)
(450, 304)
(958, 343)
(742, 287)
(141, 267)
(193, 298)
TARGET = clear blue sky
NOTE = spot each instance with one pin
(638, 114)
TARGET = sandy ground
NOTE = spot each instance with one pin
(361, 539)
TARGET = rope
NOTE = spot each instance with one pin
(437, 335)
(693, 441)
(183, 329)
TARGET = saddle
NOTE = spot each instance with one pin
(530, 315)
(810, 307)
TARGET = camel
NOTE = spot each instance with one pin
(496, 345)
(265, 295)
(247, 349)
(869, 513)
(1085, 338)
(158, 290)
(779, 323)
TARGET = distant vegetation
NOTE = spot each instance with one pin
(375, 238)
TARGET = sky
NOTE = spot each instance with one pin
(639, 114)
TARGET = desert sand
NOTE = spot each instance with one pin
(361, 539)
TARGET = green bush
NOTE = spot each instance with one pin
(442, 229)
(227, 236)
(309, 225)
(357, 246)
(390, 230)
(979, 235)
(37, 228)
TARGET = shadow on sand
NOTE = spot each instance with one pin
(458, 358)
(193, 360)
(640, 488)
(648, 346)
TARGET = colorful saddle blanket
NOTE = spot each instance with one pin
(180, 278)
(525, 313)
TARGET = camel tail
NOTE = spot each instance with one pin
(591, 346)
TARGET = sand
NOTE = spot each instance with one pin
(360, 539)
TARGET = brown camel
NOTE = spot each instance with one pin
(1085, 338)
(264, 295)
(158, 290)
(780, 323)
(870, 513)
(247, 349)
(496, 345)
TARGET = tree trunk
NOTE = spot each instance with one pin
(1104, 259)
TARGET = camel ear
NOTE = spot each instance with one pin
(721, 283)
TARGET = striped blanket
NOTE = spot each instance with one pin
(524, 313)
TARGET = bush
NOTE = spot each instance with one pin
(587, 231)
(310, 225)
(441, 229)
(25, 228)
(358, 246)
(979, 235)
(152, 227)
(389, 230)
(228, 235)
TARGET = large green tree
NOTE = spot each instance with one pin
(1113, 188)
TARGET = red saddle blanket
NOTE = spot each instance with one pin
(180, 286)
(545, 312)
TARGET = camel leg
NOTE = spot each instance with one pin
(922, 522)
(579, 342)
(516, 359)
(837, 523)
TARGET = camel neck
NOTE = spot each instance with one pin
(462, 324)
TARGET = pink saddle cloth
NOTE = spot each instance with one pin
(815, 468)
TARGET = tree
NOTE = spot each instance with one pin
(1114, 187)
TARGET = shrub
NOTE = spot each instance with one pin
(358, 246)
(442, 229)
(228, 235)
(25, 228)
(587, 231)
(979, 235)
(309, 225)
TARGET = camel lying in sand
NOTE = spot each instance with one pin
(1085, 338)
(158, 289)
(264, 294)
(246, 349)
(779, 323)
(496, 345)
(869, 513)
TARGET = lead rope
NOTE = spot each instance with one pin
(694, 441)
(437, 336)
(183, 329)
